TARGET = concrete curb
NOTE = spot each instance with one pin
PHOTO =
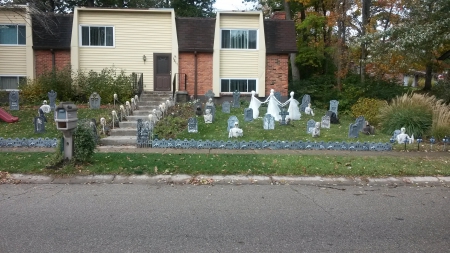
(231, 180)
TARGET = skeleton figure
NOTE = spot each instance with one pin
(136, 98)
(403, 137)
(114, 117)
(127, 108)
(316, 130)
(235, 131)
(122, 111)
(103, 124)
(309, 110)
(152, 118)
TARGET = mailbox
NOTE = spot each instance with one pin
(66, 116)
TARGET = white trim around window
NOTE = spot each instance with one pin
(10, 82)
(97, 36)
(13, 35)
(243, 85)
(239, 39)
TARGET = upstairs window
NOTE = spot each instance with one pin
(12, 35)
(239, 39)
(100, 36)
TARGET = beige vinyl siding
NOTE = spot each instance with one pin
(238, 63)
(13, 58)
(135, 34)
(238, 21)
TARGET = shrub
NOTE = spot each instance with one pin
(412, 111)
(84, 142)
(442, 90)
(35, 90)
(105, 83)
(441, 120)
(369, 108)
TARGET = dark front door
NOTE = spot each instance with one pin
(162, 70)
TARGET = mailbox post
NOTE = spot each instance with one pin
(66, 121)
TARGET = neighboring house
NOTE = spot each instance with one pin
(16, 53)
(234, 51)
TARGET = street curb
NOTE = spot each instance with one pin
(182, 179)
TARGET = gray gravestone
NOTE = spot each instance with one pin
(209, 94)
(268, 122)
(283, 114)
(14, 100)
(198, 109)
(226, 107)
(360, 121)
(310, 125)
(248, 114)
(236, 101)
(277, 95)
(42, 114)
(325, 123)
(305, 101)
(213, 110)
(39, 125)
(94, 101)
(192, 125)
(52, 97)
(353, 130)
(231, 121)
(334, 106)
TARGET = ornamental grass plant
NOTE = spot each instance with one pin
(419, 114)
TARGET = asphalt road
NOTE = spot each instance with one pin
(225, 218)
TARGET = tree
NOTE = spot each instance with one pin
(420, 37)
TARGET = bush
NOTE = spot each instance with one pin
(105, 83)
(412, 111)
(84, 142)
(34, 91)
(369, 108)
(442, 90)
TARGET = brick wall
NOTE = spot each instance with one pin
(277, 72)
(204, 72)
(43, 60)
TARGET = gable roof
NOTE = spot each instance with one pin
(195, 34)
(280, 36)
(53, 31)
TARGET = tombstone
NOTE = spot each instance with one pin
(277, 95)
(353, 130)
(325, 122)
(209, 94)
(360, 121)
(94, 101)
(334, 106)
(144, 133)
(283, 114)
(212, 110)
(226, 107)
(268, 122)
(192, 125)
(52, 97)
(305, 101)
(14, 100)
(231, 122)
(333, 117)
(42, 114)
(198, 109)
(310, 126)
(248, 114)
(208, 117)
(39, 125)
(236, 101)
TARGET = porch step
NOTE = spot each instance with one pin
(123, 132)
(119, 141)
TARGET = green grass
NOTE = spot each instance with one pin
(227, 164)
(24, 128)
(296, 130)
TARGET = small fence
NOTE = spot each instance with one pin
(28, 143)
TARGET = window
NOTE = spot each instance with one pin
(10, 82)
(242, 85)
(102, 36)
(12, 35)
(241, 39)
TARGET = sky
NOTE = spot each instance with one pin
(228, 5)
